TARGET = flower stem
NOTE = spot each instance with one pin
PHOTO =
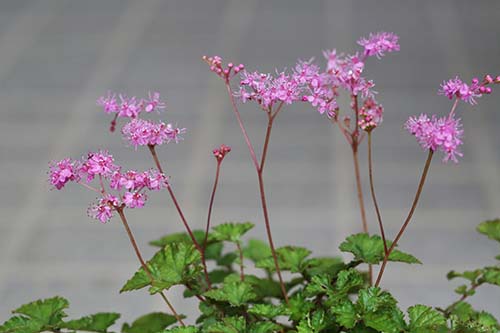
(259, 168)
(408, 218)
(240, 251)
(212, 197)
(183, 218)
(143, 263)
(372, 189)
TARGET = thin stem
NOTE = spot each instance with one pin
(461, 299)
(212, 197)
(183, 218)
(372, 189)
(358, 186)
(90, 187)
(240, 251)
(143, 263)
(408, 218)
(259, 169)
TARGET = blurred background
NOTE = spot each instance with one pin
(57, 57)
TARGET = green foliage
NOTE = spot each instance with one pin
(150, 323)
(425, 319)
(230, 232)
(290, 258)
(370, 249)
(491, 229)
(175, 264)
(99, 322)
(236, 293)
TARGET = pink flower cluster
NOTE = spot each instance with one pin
(221, 152)
(379, 43)
(467, 92)
(216, 66)
(128, 185)
(130, 107)
(139, 132)
(370, 115)
(438, 133)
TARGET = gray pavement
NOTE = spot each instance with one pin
(57, 57)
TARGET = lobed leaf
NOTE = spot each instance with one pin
(99, 322)
(150, 323)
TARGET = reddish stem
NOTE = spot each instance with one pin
(212, 197)
(183, 218)
(240, 251)
(259, 169)
(408, 218)
(143, 263)
(372, 189)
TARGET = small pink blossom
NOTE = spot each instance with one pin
(174, 133)
(134, 199)
(62, 172)
(108, 103)
(370, 115)
(379, 43)
(139, 132)
(129, 107)
(103, 210)
(153, 103)
(100, 163)
(155, 180)
(467, 92)
(438, 133)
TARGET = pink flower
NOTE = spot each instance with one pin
(129, 107)
(139, 132)
(108, 103)
(103, 210)
(467, 93)
(379, 43)
(155, 180)
(438, 133)
(100, 163)
(174, 133)
(153, 103)
(134, 199)
(62, 172)
(370, 115)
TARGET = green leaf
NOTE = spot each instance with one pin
(150, 323)
(472, 276)
(345, 313)
(491, 229)
(313, 323)
(263, 287)
(370, 249)
(290, 258)
(264, 327)
(176, 263)
(487, 320)
(229, 325)
(379, 311)
(18, 324)
(269, 311)
(47, 312)
(236, 293)
(326, 265)
(99, 322)
(183, 329)
(390, 320)
(425, 319)
(298, 306)
(348, 280)
(374, 299)
(491, 275)
(227, 260)
(231, 232)
(320, 284)
(256, 250)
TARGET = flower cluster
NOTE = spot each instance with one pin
(139, 132)
(370, 115)
(128, 185)
(221, 152)
(130, 107)
(437, 133)
(216, 66)
(379, 43)
(467, 92)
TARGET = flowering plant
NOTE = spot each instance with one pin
(318, 294)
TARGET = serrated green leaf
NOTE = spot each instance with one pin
(264, 327)
(461, 290)
(230, 232)
(326, 265)
(313, 323)
(229, 325)
(463, 311)
(150, 323)
(227, 260)
(182, 329)
(236, 293)
(320, 284)
(269, 311)
(18, 324)
(472, 276)
(263, 287)
(345, 313)
(256, 250)
(298, 306)
(99, 322)
(491, 275)
(425, 319)
(370, 249)
(290, 258)
(48, 311)
(390, 320)
(348, 280)
(487, 320)
(374, 299)
(491, 229)
(176, 263)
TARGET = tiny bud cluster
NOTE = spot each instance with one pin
(456, 88)
(221, 152)
(217, 67)
(370, 115)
